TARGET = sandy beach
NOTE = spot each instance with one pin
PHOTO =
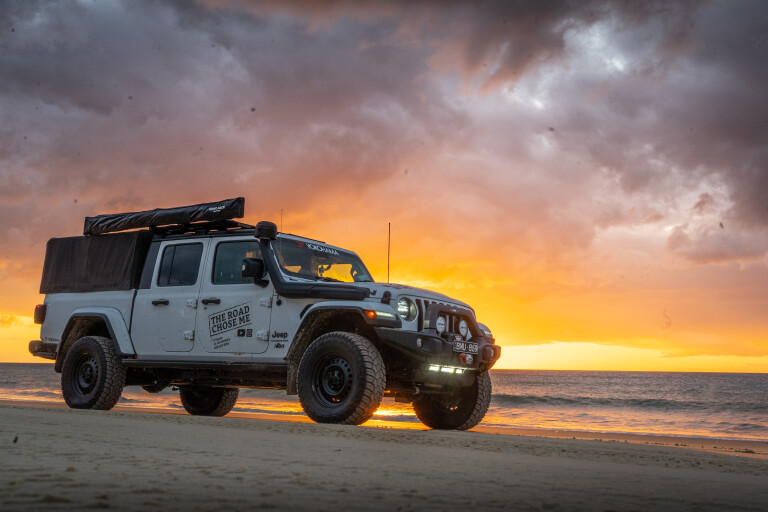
(55, 458)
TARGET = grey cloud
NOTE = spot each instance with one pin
(124, 106)
(161, 103)
(704, 205)
(714, 244)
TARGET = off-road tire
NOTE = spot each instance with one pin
(462, 411)
(341, 379)
(200, 401)
(92, 376)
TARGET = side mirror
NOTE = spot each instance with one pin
(253, 267)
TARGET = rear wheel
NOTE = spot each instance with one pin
(92, 376)
(341, 379)
(460, 411)
(201, 401)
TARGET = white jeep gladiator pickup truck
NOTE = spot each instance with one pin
(190, 298)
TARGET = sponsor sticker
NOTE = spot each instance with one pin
(229, 319)
(219, 343)
(322, 248)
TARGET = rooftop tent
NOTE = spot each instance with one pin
(94, 263)
(221, 210)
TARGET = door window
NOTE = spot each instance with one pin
(228, 263)
(180, 265)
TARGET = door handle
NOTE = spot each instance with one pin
(211, 301)
(160, 302)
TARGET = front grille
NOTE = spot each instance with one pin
(452, 320)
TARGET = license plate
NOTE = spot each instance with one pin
(465, 346)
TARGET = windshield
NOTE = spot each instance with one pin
(309, 260)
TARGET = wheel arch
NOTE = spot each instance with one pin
(322, 320)
(106, 322)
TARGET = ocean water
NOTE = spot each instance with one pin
(713, 405)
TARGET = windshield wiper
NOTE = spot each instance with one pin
(328, 279)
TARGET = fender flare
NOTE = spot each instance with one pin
(314, 312)
(112, 318)
(311, 313)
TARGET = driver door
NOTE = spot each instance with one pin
(234, 312)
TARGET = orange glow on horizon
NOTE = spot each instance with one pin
(553, 317)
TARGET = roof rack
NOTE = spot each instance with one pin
(213, 215)
(200, 227)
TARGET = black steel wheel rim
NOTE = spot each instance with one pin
(333, 378)
(86, 373)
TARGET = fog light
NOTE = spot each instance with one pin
(463, 328)
(440, 324)
(419, 343)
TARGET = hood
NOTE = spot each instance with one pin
(398, 290)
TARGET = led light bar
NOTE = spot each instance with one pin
(447, 369)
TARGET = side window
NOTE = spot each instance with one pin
(180, 265)
(228, 263)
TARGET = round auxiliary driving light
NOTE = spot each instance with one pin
(406, 309)
(440, 324)
(463, 329)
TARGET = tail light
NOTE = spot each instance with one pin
(40, 313)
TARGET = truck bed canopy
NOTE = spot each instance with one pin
(99, 262)
(94, 263)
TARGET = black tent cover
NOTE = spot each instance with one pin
(95, 263)
(220, 210)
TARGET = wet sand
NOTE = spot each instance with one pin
(54, 458)
(753, 449)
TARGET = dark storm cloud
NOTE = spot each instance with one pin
(689, 108)
(498, 40)
(135, 104)
(126, 105)
(702, 118)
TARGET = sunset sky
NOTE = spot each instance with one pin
(592, 177)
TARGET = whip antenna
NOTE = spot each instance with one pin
(389, 243)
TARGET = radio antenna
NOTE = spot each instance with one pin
(389, 244)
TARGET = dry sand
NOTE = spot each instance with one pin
(59, 459)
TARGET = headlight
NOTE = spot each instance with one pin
(406, 309)
(440, 324)
(463, 329)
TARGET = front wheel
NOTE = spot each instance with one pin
(460, 411)
(92, 376)
(341, 379)
(202, 401)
